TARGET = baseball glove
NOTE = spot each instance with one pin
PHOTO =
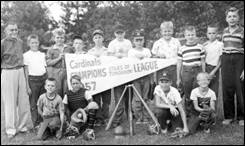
(204, 116)
(75, 116)
(88, 134)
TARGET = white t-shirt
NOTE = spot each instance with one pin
(168, 49)
(120, 47)
(172, 98)
(196, 95)
(88, 96)
(135, 53)
(213, 52)
(36, 62)
(98, 52)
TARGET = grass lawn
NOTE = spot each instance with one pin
(225, 135)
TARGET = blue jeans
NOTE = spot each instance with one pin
(37, 88)
(189, 82)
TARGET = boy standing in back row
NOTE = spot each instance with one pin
(213, 49)
(191, 61)
(167, 48)
(119, 48)
(233, 67)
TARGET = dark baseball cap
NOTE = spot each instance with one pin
(165, 76)
(119, 28)
(77, 37)
(98, 31)
(138, 34)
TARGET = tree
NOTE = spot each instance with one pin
(32, 17)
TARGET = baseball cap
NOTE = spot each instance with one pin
(77, 37)
(138, 34)
(119, 28)
(165, 76)
(98, 31)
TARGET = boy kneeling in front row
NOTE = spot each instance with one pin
(169, 107)
(80, 110)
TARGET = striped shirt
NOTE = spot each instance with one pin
(233, 42)
(191, 55)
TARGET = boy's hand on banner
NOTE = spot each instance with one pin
(242, 76)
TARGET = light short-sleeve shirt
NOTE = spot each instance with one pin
(213, 52)
(88, 96)
(36, 63)
(168, 49)
(172, 98)
(135, 53)
(119, 47)
(50, 107)
(98, 52)
(203, 99)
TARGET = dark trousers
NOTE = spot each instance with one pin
(164, 114)
(214, 84)
(124, 103)
(231, 69)
(195, 122)
(37, 88)
(189, 82)
(103, 111)
(172, 72)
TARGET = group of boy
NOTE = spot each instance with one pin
(197, 65)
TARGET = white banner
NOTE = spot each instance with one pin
(101, 73)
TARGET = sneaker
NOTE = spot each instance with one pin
(10, 136)
(164, 131)
(227, 121)
(145, 121)
(139, 121)
(241, 122)
(207, 130)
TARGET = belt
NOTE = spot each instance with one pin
(38, 77)
(17, 67)
(193, 66)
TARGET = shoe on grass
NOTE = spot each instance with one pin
(241, 122)
(207, 130)
(164, 131)
(10, 136)
(227, 121)
(139, 121)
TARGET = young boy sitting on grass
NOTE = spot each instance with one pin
(79, 101)
(204, 103)
(169, 107)
(51, 109)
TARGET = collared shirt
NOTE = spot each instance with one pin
(191, 55)
(213, 52)
(135, 53)
(168, 49)
(233, 42)
(116, 47)
(11, 53)
(172, 98)
(36, 62)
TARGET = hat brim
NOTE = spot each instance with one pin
(139, 37)
(165, 79)
(98, 34)
(119, 30)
